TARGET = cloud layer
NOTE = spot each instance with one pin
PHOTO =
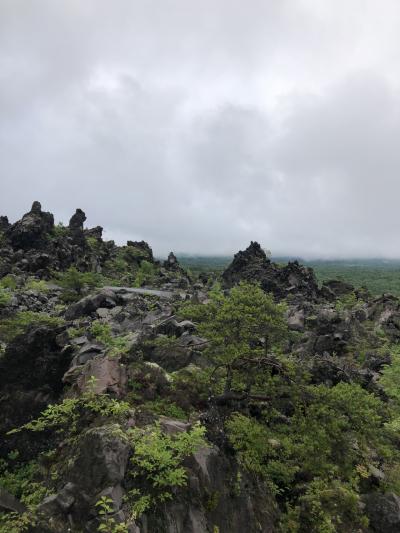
(200, 126)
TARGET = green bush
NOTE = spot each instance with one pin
(102, 332)
(36, 285)
(157, 463)
(10, 327)
(5, 298)
(69, 415)
(8, 282)
(145, 274)
(244, 330)
(331, 438)
(74, 281)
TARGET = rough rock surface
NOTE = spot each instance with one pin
(292, 280)
(46, 364)
(383, 511)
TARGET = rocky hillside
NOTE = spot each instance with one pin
(137, 399)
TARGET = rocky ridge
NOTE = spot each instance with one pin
(118, 340)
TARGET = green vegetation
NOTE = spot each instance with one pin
(244, 330)
(330, 436)
(145, 274)
(102, 332)
(58, 230)
(108, 523)
(70, 415)
(5, 298)
(23, 482)
(12, 326)
(74, 282)
(36, 285)
(131, 266)
(8, 282)
(157, 463)
(377, 275)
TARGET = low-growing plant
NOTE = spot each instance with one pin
(36, 285)
(5, 298)
(74, 282)
(12, 326)
(145, 274)
(8, 282)
(69, 415)
(23, 482)
(108, 524)
(59, 230)
(157, 463)
(116, 344)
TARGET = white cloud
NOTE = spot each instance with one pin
(201, 126)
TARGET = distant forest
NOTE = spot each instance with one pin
(378, 275)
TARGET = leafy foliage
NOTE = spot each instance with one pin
(145, 274)
(243, 328)
(102, 332)
(10, 327)
(22, 481)
(108, 523)
(8, 282)
(157, 463)
(74, 282)
(5, 298)
(70, 415)
(331, 438)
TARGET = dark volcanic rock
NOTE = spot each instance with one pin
(95, 233)
(172, 262)
(76, 227)
(253, 265)
(4, 224)
(383, 511)
(142, 250)
(335, 288)
(87, 305)
(31, 372)
(249, 507)
(77, 220)
(101, 460)
(32, 230)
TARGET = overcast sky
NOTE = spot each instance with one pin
(201, 125)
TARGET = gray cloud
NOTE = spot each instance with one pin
(201, 126)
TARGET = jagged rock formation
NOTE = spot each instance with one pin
(292, 280)
(139, 344)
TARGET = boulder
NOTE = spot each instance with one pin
(89, 304)
(383, 511)
(10, 503)
(101, 459)
(335, 288)
(103, 375)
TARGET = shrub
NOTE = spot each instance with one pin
(5, 298)
(36, 285)
(102, 332)
(157, 462)
(8, 282)
(145, 274)
(74, 281)
(243, 329)
(12, 326)
(69, 415)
